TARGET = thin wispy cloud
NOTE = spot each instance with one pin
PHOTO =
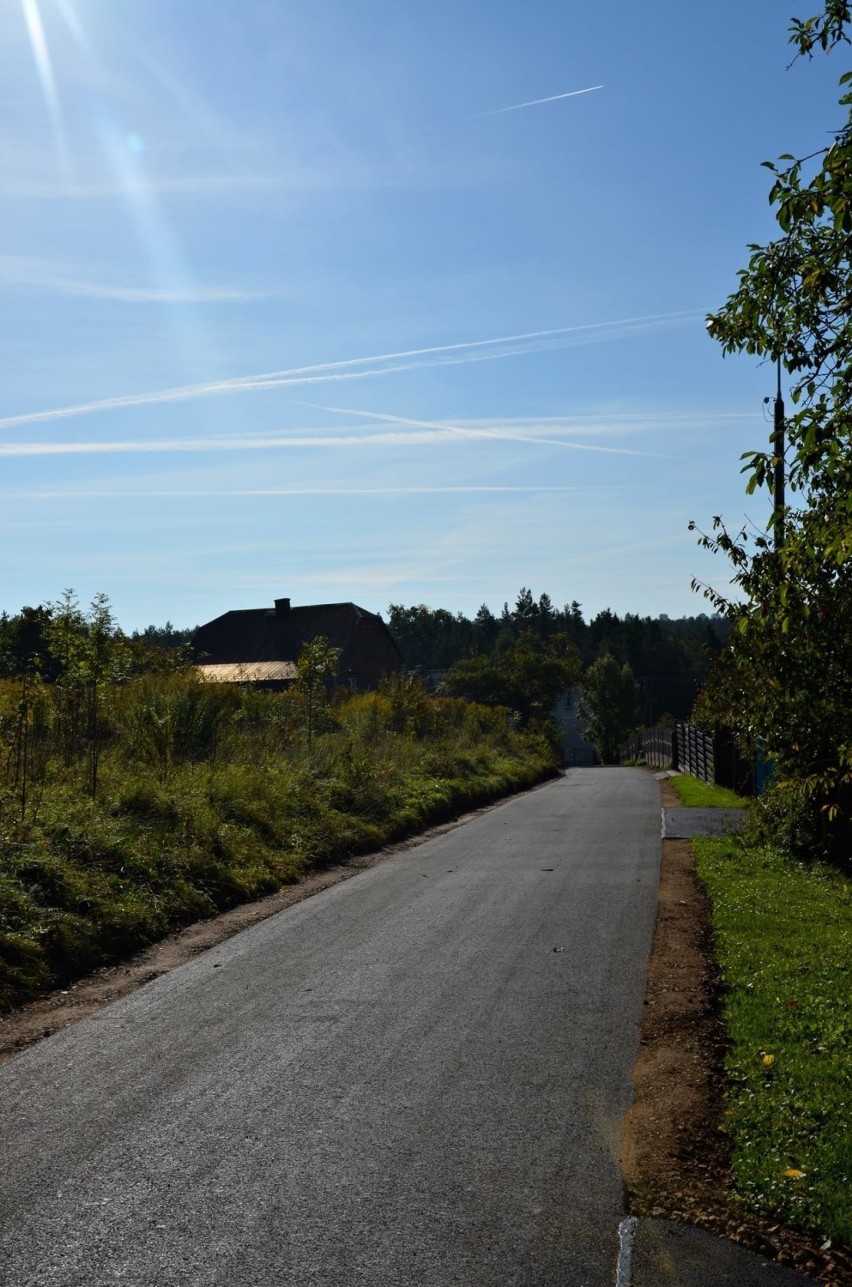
(236, 492)
(182, 446)
(410, 433)
(35, 189)
(608, 423)
(536, 102)
(498, 434)
(370, 367)
(64, 280)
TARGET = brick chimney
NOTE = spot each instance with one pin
(282, 605)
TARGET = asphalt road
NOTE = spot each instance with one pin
(416, 1077)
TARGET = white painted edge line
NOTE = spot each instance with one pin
(624, 1268)
(662, 824)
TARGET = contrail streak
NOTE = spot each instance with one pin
(501, 436)
(359, 368)
(534, 102)
(426, 433)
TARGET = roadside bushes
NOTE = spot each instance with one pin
(208, 795)
(788, 818)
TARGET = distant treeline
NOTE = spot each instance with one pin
(29, 638)
(670, 658)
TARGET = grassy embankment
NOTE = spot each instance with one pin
(695, 794)
(783, 934)
(207, 797)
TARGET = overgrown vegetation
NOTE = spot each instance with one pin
(134, 802)
(783, 933)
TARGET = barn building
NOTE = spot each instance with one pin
(262, 645)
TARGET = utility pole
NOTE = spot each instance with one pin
(778, 447)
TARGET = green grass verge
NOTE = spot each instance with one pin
(695, 794)
(783, 934)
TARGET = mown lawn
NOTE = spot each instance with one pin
(783, 935)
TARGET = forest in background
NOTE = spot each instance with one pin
(670, 658)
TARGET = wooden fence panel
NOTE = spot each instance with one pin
(659, 747)
(653, 745)
(695, 752)
(712, 757)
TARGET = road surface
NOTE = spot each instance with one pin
(417, 1077)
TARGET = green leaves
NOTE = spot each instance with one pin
(317, 672)
(527, 677)
(784, 680)
(610, 704)
(825, 30)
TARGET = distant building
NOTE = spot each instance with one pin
(566, 712)
(262, 645)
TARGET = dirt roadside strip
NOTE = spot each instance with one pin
(674, 1154)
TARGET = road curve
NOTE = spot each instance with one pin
(417, 1077)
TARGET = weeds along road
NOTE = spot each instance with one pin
(417, 1077)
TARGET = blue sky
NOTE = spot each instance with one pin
(291, 304)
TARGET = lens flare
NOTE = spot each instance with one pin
(123, 152)
(74, 25)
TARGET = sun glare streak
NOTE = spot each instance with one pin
(172, 279)
(123, 151)
(124, 154)
(75, 27)
(44, 67)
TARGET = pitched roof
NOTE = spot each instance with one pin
(279, 633)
